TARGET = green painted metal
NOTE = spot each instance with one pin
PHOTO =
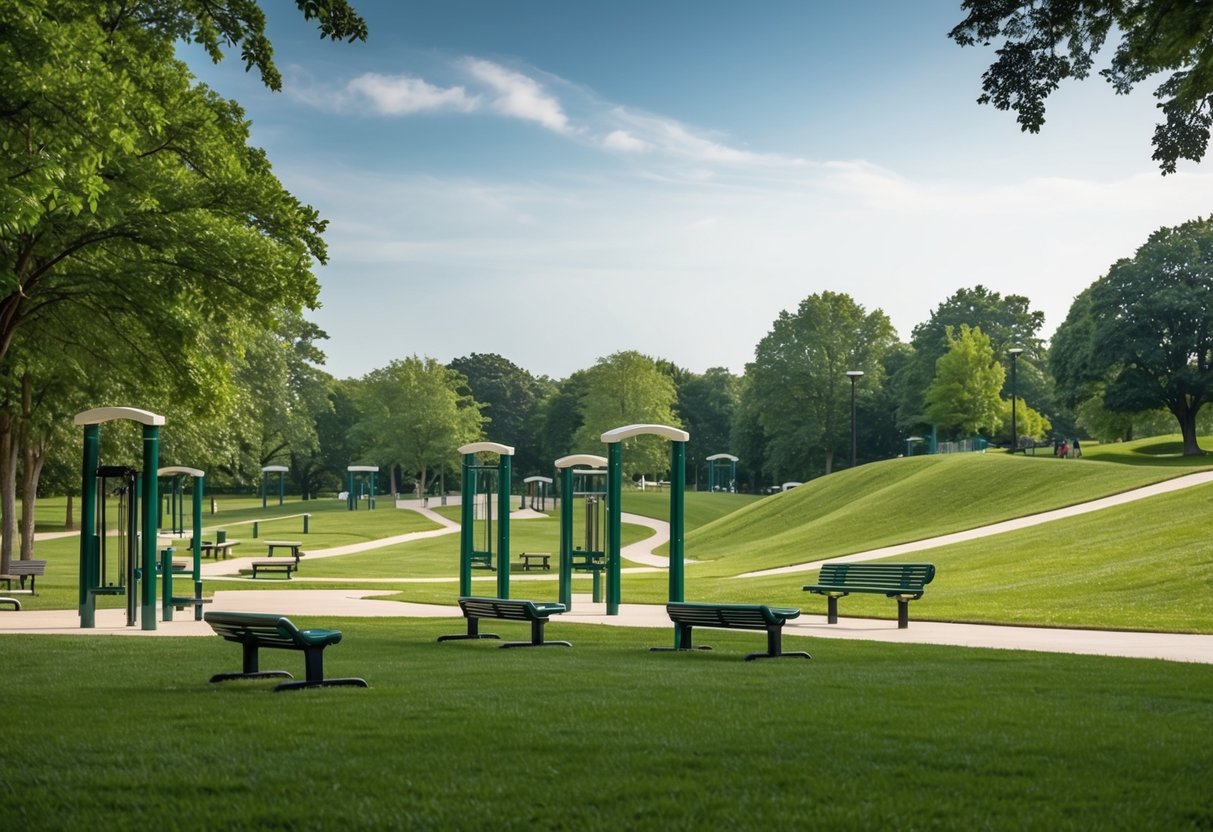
(467, 521)
(255, 529)
(196, 544)
(166, 583)
(678, 483)
(150, 507)
(503, 525)
(566, 537)
(88, 519)
(614, 525)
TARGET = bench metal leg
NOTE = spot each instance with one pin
(313, 661)
(473, 632)
(682, 641)
(250, 669)
(537, 637)
(831, 609)
(775, 647)
(16, 604)
(903, 613)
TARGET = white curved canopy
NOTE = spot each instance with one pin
(548, 480)
(584, 460)
(487, 447)
(174, 470)
(723, 456)
(788, 486)
(628, 431)
(356, 468)
(270, 469)
(108, 414)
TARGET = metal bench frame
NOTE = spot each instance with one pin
(536, 612)
(254, 630)
(904, 582)
(686, 616)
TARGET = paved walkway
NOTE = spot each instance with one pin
(362, 602)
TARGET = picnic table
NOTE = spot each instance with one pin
(211, 549)
(292, 546)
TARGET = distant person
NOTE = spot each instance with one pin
(1065, 449)
(1077, 448)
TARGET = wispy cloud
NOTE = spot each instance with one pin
(398, 95)
(518, 95)
(624, 141)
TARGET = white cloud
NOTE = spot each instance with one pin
(678, 140)
(519, 96)
(404, 95)
(624, 141)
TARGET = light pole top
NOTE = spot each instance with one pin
(854, 374)
(1014, 351)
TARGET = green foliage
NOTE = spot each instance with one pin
(1042, 44)
(628, 388)
(705, 405)
(1144, 332)
(413, 414)
(798, 388)
(511, 397)
(964, 396)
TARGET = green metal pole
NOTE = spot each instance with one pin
(197, 545)
(678, 483)
(614, 524)
(503, 525)
(281, 487)
(467, 522)
(88, 520)
(166, 581)
(374, 477)
(351, 500)
(151, 502)
(566, 537)
(263, 497)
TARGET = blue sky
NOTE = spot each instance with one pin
(555, 181)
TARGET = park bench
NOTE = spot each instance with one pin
(538, 560)
(294, 547)
(254, 630)
(536, 612)
(19, 570)
(283, 565)
(903, 581)
(218, 550)
(16, 604)
(687, 616)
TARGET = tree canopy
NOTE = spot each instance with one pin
(628, 388)
(964, 396)
(1143, 334)
(1045, 42)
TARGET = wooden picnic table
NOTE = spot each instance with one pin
(293, 546)
(218, 550)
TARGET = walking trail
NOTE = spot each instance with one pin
(362, 602)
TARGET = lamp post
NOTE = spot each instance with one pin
(854, 376)
(1014, 353)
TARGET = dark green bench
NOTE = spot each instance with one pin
(283, 565)
(902, 581)
(19, 570)
(536, 612)
(686, 616)
(254, 630)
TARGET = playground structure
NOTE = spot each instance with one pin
(280, 470)
(137, 542)
(614, 440)
(364, 477)
(590, 471)
(722, 473)
(167, 600)
(476, 475)
(535, 491)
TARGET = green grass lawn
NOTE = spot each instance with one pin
(120, 733)
(1155, 450)
(701, 507)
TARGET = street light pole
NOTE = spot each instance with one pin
(854, 376)
(1014, 353)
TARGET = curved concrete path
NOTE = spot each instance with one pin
(364, 603)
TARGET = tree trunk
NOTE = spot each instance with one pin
(421, 484)
(8, 491)
(1186, 415)
(69, 523)
(829, 461)
(34, 458)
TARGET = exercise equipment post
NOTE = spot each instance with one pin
(467, 513)
(166, 595)
(91, 421)
(370, 472)
(567, 466)
(614, 440)
(280, 470)
(722, 467)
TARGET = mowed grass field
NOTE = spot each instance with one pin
(121, 733)
(126, 732)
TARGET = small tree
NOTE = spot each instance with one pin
(964, 396)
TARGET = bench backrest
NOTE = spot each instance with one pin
(260, 627)
(903, 577)
(27, 567)
(507, 608)
(735, 616)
